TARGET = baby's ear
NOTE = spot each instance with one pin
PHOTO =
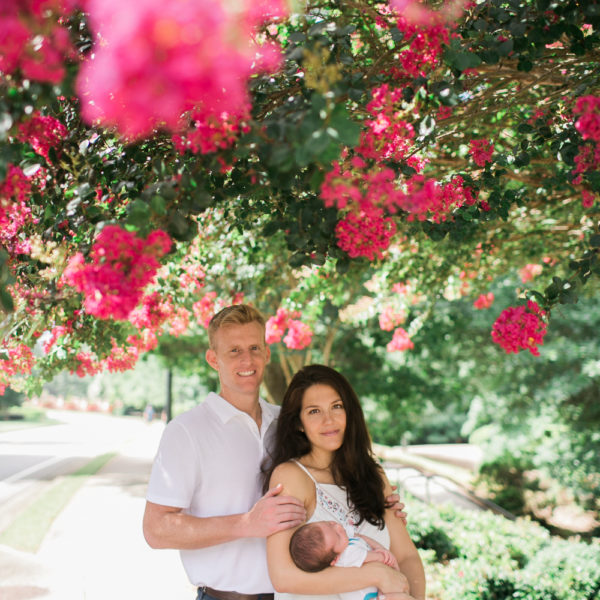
(334, 561)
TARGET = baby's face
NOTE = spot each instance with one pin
(335, 536)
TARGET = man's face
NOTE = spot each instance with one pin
(240, 355)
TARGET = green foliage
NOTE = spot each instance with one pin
(481, 556)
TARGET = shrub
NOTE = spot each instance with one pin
(471, 555)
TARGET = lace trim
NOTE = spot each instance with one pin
(347, 518)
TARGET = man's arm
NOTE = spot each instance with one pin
(170, 527)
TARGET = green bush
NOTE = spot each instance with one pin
(472, 555)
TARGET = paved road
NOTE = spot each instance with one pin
(95, 549)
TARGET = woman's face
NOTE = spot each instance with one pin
(323, 417)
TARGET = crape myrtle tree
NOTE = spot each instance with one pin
(335, 163)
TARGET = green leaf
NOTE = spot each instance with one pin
(6, 300)
(348, 131)
(461, 60)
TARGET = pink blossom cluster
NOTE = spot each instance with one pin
(587, 159)
(179, 321)
(587, 198)
(386, 136)
(205, 308)
(400, 341)
(151, 313)
(484, 301)
(481, 152)
(121, 266)
(15, 212)
(391, 317)
(418, 13)
(157, 60)
(43, 133)
(121, 358)
(32, 39)
(426, 44)
(211, 132)
(19, 361)
(56, 333)
(365, 233)
(299, 334)
(587, 108)
(529, 272)
(520, 328)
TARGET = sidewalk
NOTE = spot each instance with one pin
(95, 548)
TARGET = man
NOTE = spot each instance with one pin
(204, 495)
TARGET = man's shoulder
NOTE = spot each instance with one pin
(200, 412)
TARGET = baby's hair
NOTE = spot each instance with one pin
(307, 549)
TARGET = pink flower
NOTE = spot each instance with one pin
(529, 272)
(520, 328)
(400, 341)
(389, 318)
(276, 326)
(481, 151)
(365, 234)
(157, 60)
(587, 198)
(484, 301)
(19, 361)
(299, 335)
(588, 123)
(15, 212)
(416, 12)
(121, 266)
(204, 308)
(42, 133)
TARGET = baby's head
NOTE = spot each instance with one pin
(317, 545)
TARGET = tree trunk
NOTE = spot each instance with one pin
(275, 382)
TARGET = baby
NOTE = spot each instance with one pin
(318, 545)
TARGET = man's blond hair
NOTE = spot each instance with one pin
(236, 314)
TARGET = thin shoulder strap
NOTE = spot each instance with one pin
(306, 471)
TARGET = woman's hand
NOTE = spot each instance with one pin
(386, 579)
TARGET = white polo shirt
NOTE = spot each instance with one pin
(208, 463)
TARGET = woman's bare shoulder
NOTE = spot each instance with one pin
(291, 476)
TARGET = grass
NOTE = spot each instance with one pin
(28, 530)
(20, 417)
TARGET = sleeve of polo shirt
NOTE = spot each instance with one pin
(175, 472)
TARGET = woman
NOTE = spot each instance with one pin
(323, 457)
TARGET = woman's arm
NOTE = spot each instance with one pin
(405, 551)
(286, 577)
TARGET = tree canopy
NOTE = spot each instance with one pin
(330, 162)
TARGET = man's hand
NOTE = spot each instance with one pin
(393, 502)
(395, 596)
(273, 513)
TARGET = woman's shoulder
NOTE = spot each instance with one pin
(290, 475)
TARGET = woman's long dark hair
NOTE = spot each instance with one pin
(353, 466)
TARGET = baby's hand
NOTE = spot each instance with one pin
(395, 596)
(387, 558)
